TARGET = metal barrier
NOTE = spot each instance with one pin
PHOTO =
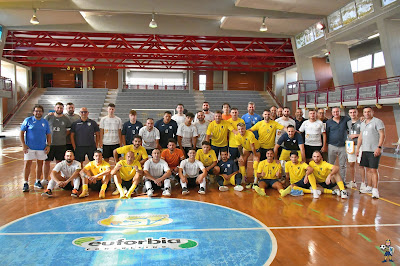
(155, 87)
(5, 84)
(302, 86)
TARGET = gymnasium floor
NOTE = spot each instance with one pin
(217, 228)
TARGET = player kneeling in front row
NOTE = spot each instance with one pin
(229, 173)
(269, 173)
(127, 174)
(96, 175)
(327, 175)
(157, 173)
(189, 173)
(63, 174)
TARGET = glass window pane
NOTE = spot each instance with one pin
(364, 7)
(364, 63)
(349, 13)
(335, 21)
(379, 60)
(354, 65)
(386, 2)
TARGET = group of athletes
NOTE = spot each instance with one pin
(294, 156)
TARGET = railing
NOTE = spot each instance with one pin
(5, 84)
(302, 86)
(66, 83)
(273, 95)
(155, 87)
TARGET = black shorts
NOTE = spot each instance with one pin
(56, 152)
(369, 160)
(269, 182)
(96, 186)
(301, 184)
(126, 184)
(330, 186)
(234, 153)
(218, 149)
(82, 151)
(310, 150)
(191, 182)
(154, 185)
(108, 150)
(69, 186)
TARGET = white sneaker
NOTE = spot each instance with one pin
(166, 192)
(336, 192)
(316, 194)
(363, 186)
(238, 188)
(366, 190)
(352, 184)
(343, 194)
(375, 193)
(150, 192)
(223, 188)
(116, 192)
(202, 191)
(44, 182)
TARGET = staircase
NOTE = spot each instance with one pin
(111, 97)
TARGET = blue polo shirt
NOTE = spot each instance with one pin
(228, 167)
(84, 132)
(167, 131)
(337, 132)
(36, 132)
(251, 120)
(291, 144)
(130, 130)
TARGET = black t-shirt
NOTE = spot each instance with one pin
(291, 144)
(167, 131)
(130, 130)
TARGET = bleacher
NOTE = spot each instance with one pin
(92, 99)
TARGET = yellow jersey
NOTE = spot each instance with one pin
(219, 133)
(95, 168)
(232, 142)
(140, 153)
(266, 133)
(246, 140)
(206, 159)
(321, 171)
(270, 169)
(128, 171)
(296, 171)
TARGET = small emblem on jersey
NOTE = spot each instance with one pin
(228, 165)
(42, 124)
(129, 126)
(294, 141)
(209, 156)
(136, 221)
(298, 168)
(273, 167)
(170, 127)
(89, 124)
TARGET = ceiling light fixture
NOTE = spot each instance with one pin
(34, 19)
(153, 23)
(320, 26)
(373, 36)
(263, 27)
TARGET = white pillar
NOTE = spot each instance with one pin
(121, 73)
(225, 80)
(85, 78)
(190, 80)
(390, 43)
(340, 62)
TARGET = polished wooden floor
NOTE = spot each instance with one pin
(326, 231)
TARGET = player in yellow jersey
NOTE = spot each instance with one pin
(269, 172)
(327, 175)
(300, 176)
(207, 156)
(247, 144)
(233, 146)
(127, 174)
(217, 132)
(139, 152)
(97, 174)
(266, 131)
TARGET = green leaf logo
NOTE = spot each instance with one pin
(189, 244)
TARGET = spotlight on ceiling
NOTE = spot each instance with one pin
(153, 23)
(263, 26)
(34, 19)
(320, 26)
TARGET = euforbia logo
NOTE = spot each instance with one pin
(93, 243)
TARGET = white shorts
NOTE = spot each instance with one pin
(351, 158)
(35, 155)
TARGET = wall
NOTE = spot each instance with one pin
(102, 76)
(245, 80)
(209, 79)
(386, 114)
(323, 72)
(370, 75)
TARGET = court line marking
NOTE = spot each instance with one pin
(394, 203)
(10, 161)
(365, 237)
(331, 226)
(389, 166)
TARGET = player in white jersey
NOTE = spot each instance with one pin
(63, 174)
(150, 136)
(192, 171)
(110, 133)
(208, 115)
(201, 126)
(157, 173)
(179, 117)
(187, 134)
(285, 121)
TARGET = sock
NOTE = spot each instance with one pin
(341, 185)
(183, 185)
(203, 184)
(104, 187)
(25, 182)
(85, 187)
(313, 183)
(77, 182)
(284, 192)
(242, 170)
(51, 184)
(305, 190)
(37, 180)
(120, 190)
(131, 189)
(167, 183)
(327, 191)
(147, 185)
(255, 167)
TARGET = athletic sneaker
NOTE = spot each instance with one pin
(316, 194)
(254, 186)
(343, 194)
(102, 194)
(185, 191)
(47, 193)
(366, 190)
(336, 192)
(239, 188)
(260, 191)
(249, 185)
(223, 188)
(150, 192)
(296, 192)
(85, 193)
(363, 186)
(25, 188)
(202, 191)
(74, 193)
(166, 192)
(115, 192)
(375, 193)
(38, 185)
(352, 184)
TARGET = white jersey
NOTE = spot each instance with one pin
(67, 170)
(201, 133)
(191, 169)
(111, 127)
(156, 170)
(179, 119)
(207, 117)
(187, 133)
(284, 123)
(149, 137)
(313, 132)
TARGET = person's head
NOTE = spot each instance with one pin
(171, 144)
(180, 108)
(266, 115)
(353, 113)
(200, 116)
(241, 128)
(218, 116)
(273, 110)
(132, 116)
(234, 113)
(70, 108)
(299, 113)
(205, 146)
(270, 155)
(189, 118)
(286, 112)
(368, 113)
(224, 154)
(150, 123)
(226, 108)
(130, 157)
(167, 117)
(84, 113)
(111, 109)
(317, 156)
(291, 131)
(69, 156)
(321, 114)
(59, 108)
(336, 112)
(191, 153)
(137, 141)
(251, 107)
(279, 112)
(156, 155)
(98, 156)
(38, 111)
(294, 157)
(312, 115)
(206, 106)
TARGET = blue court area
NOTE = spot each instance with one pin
(137, 231)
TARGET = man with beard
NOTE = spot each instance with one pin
(179, 117)
(150, 136)
(208, 115)
(279, 112)
(285, 121)
(201, 126)
(299, 120)
(187, 134)
(273, 115)
(173, 157)
(167, 128)
(140, 153)
(110, 133)
(192, 172)
(130, 128)
(218, 132)
(251, 118)
(233, 146)
(157, 173)
(70, 114)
